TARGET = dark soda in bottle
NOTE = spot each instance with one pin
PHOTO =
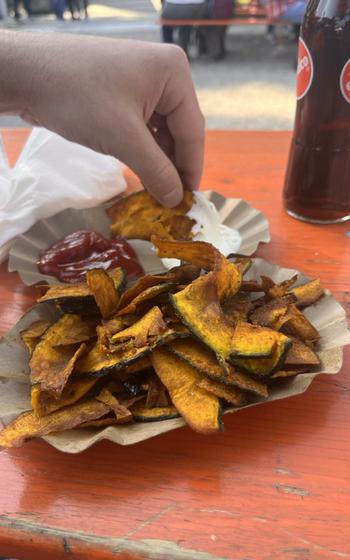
(317, 182)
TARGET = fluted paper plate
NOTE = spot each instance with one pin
(327, 315)
(235, 213)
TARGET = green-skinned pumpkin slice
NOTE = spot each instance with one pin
(253, 341)
(32, 335)
(200, 409)
(262, 367)
(103, 289)
(78, 298)
(130, 345)
(28, 425)
(143, 413)
(199, 309)
(51, 365)
(228, 276)
(308, 293)
(232, 395)
(43, 403)
(205, 361)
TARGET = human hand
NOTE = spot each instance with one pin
(129, 99)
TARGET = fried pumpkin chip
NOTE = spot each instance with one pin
(78, 298)
(151, 324)
(102, 287)
(123, 414)
(32, 335)
(200, 409)
(273, 313)
(238, 307)
(28, 425)
(156, 393)
(174, 227)
(143, 413)
(109, 420)
(205, 361)
(233, 395)
(135, 216)
(180, 274)
(51, 365)
(301, 354)
(131, 345)
(43, 403)
(296, 324)
(253, 341)
(308, 293)
(285, 373)
(146, 296)
(262, 367)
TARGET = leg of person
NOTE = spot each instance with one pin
(71, 8)
(184, 37)
(167, 34)
(86, 4)
(28, 7)
(3, 15)
(16, 9)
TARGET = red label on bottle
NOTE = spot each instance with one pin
(305, 70)
(345, 81)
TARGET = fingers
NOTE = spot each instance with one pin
(156, 171)
(185, 121)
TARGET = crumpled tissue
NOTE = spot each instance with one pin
(52, 174)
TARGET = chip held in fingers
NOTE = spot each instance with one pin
(194, 342)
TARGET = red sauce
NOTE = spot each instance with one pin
(69, 258)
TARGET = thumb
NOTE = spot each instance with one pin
(156, 171)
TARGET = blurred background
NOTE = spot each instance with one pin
(249, 85)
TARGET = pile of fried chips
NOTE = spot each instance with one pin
(139, 216)
(191, 342)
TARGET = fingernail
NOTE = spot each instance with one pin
(172, 198)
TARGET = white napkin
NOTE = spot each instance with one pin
(52, 174)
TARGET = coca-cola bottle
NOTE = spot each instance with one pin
(317, 182)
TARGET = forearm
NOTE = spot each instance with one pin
(18, 65)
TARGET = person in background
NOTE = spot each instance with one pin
(291, 11)
(133, 100)
(183, 9)
(27, 7)
(78, 8)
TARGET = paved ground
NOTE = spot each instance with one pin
(253, 88)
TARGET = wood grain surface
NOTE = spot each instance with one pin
(274, 486)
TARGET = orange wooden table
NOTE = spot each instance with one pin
(274, 486)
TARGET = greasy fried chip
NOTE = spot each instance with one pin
(151, 324)
(285, 373)
(78, 298)
(28, 425)
(143, 413)
(233, 395)
(51, 365)
(31, 336)
(299, 326)
(200, 409)
(135, 216)
(146, 296)
(253, 341)
(308, 293)
(156, 393)
(273, 313)
(265, 366)
(109, 420)
(202, 359)
(122, 413)
(43, 403)
(180, 274)
(102, 287)
(174, 227)
(301, 354)
(237, 308)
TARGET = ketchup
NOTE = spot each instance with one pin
(70, 258)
